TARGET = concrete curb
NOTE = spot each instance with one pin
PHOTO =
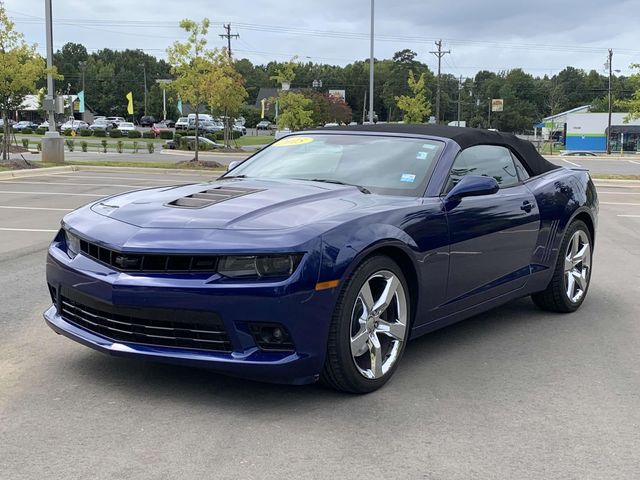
(38, 172)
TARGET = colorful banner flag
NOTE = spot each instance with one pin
(130, 105)
(180, 105)
(81, 101)
(263, 102)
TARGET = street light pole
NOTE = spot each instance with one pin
(489, 100)
(52, 143)
(164, 83)
(371, 67)
(610, 102)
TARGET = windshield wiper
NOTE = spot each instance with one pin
(338, 182)
(232, 176)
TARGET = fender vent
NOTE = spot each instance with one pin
(211, 196)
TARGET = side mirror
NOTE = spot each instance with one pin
(472, 186)
(233, 165)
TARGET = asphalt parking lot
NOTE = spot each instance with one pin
(512, 394)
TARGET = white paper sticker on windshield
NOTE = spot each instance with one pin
(422, 155)
(428, 146)
(408, 177)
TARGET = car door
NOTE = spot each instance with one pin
(492, 237)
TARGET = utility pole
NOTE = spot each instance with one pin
(371, 66)
(228, 36)
(489, 115)
(439, 53)
(610, 62)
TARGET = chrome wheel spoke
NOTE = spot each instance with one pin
(571, 283)
(394, 330)
(375, 355)
(367, 298)
(577, 263)
(386, 296)
(359, 343)
(580, 280)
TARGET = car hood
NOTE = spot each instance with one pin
(242, 204)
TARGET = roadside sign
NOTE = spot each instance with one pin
(497, 104)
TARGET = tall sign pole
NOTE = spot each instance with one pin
(610, 102)
(371, 67)
(52, 143)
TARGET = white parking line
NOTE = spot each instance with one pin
(633, 161)
(137, 179)
(571, 163)
(618, 203)
(73, 184)
(53, 193)
(26, 230)
(9, 207)
(618, 193)
(629, 216)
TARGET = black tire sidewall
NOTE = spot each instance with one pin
(343, 316)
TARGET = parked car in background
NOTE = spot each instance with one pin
(74, 125)
(159, 127)
(126, 127)
(115, 121)
(147, 121)
(101, 124)
(23, 125)
(237, 127)
(210, 127)
(182, 124)
(190, 141)
(169, 123)
(264, 125)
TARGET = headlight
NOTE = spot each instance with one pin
(258, 266)
(73, 244)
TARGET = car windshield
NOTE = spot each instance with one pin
(126, 125)
(382, 164)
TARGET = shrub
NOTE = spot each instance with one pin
(85, 132)
(134, 134)
(100, 133)
(166, 135)
(39, 146)
(211, 136)
(115, 133)
(219, 136)
(177, 138)
(68, 132)
(70, 144)
(151, 147)
(104, 146)
(119, 146)
(27, 131)
(25, 142)
(135, 147)
(84, 145)
(41, 131)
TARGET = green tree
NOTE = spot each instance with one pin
(632, 105)
(286, 74)
(226, 92)
(415, 107)
(20, 69)
(193, 67)
(296, 111)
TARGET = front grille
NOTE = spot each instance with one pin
(155, 327)
(152, 263)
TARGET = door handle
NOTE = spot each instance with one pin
(526, 206)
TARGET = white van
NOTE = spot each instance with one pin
(203, 117)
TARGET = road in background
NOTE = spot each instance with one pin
(515, 393)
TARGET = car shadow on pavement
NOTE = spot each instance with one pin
(423, 358)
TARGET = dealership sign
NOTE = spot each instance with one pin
(497, 105)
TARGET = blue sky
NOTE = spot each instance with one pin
(541, 37)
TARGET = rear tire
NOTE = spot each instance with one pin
(369, 328)
(570, 282)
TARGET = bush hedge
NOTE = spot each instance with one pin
(166, 135)
(134, 134)
(85, 132)
(41, 131)
(115, 133)
(100, 133)
(27, 131)
(148, 135)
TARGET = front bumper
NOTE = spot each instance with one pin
(304, 312)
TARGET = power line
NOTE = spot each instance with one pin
(439, 53)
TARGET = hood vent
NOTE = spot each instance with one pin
(211, 196)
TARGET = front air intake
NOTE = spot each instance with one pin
(211, 197)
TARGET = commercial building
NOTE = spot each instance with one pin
(588, 131)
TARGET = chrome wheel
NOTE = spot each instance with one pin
(577, 266)
(378, 324)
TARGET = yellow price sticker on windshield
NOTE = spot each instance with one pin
(292, 141)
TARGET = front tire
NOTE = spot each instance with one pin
(570, 282)
(369, 328)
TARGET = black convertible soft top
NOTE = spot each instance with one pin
(466, 137)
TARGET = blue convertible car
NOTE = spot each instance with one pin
(320, 256)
